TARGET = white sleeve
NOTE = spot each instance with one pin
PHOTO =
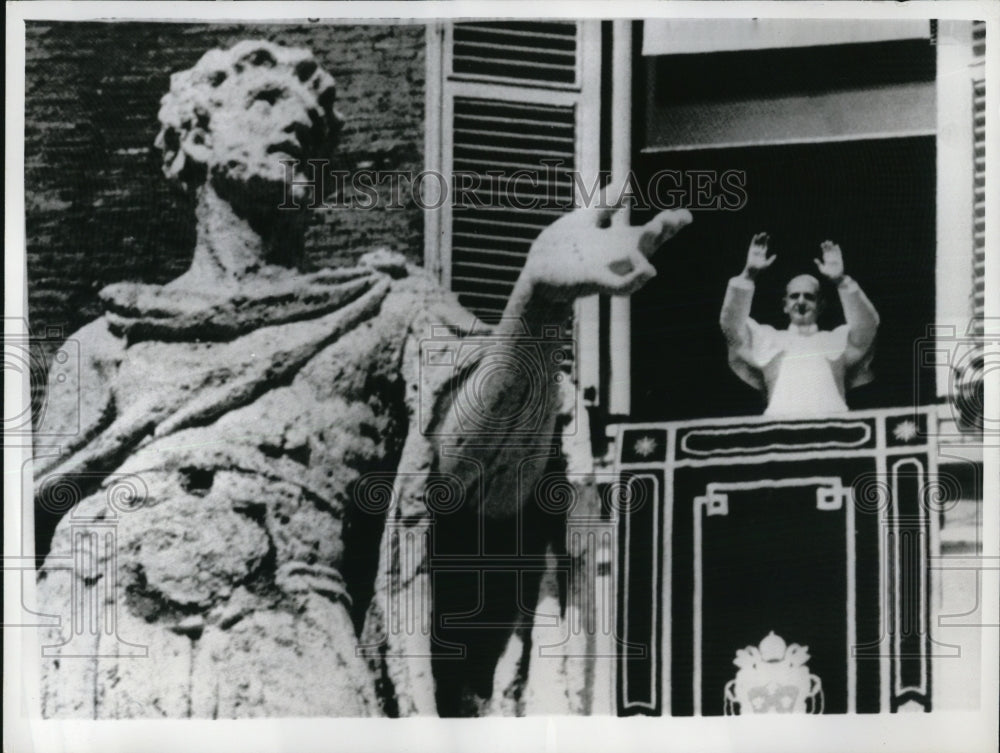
(862, 321)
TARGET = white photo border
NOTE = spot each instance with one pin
(26, 731)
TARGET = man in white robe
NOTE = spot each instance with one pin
(804, 371)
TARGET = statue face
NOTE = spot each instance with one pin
(267, 120)
(802, 300)
(247, 119)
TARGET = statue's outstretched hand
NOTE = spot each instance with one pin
(757, 258)
(832, 265)
(587, 252)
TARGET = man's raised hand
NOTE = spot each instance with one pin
(832, 265)
(757, 258)
(587, 251)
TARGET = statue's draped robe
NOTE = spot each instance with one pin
(247, 448)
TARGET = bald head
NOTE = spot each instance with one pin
(803, 282)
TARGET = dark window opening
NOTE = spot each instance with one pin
(876, 198)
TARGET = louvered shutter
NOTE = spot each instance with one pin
(514, 105)
(490, 244)
(979, 174)
(969, 397)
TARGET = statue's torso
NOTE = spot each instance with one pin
(259, 514)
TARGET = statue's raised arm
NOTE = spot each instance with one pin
(586, 252)
(802, 370)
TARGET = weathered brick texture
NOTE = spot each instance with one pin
(98, 209)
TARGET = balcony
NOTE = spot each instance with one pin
(839, 536)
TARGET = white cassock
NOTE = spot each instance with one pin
(804, 371)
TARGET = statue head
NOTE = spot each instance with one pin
(235, 117)
(803, 301)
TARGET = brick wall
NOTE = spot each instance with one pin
(98, 209)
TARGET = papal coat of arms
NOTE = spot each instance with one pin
(773, 679)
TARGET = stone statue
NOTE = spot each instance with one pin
(253, 411)
(803, 371)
